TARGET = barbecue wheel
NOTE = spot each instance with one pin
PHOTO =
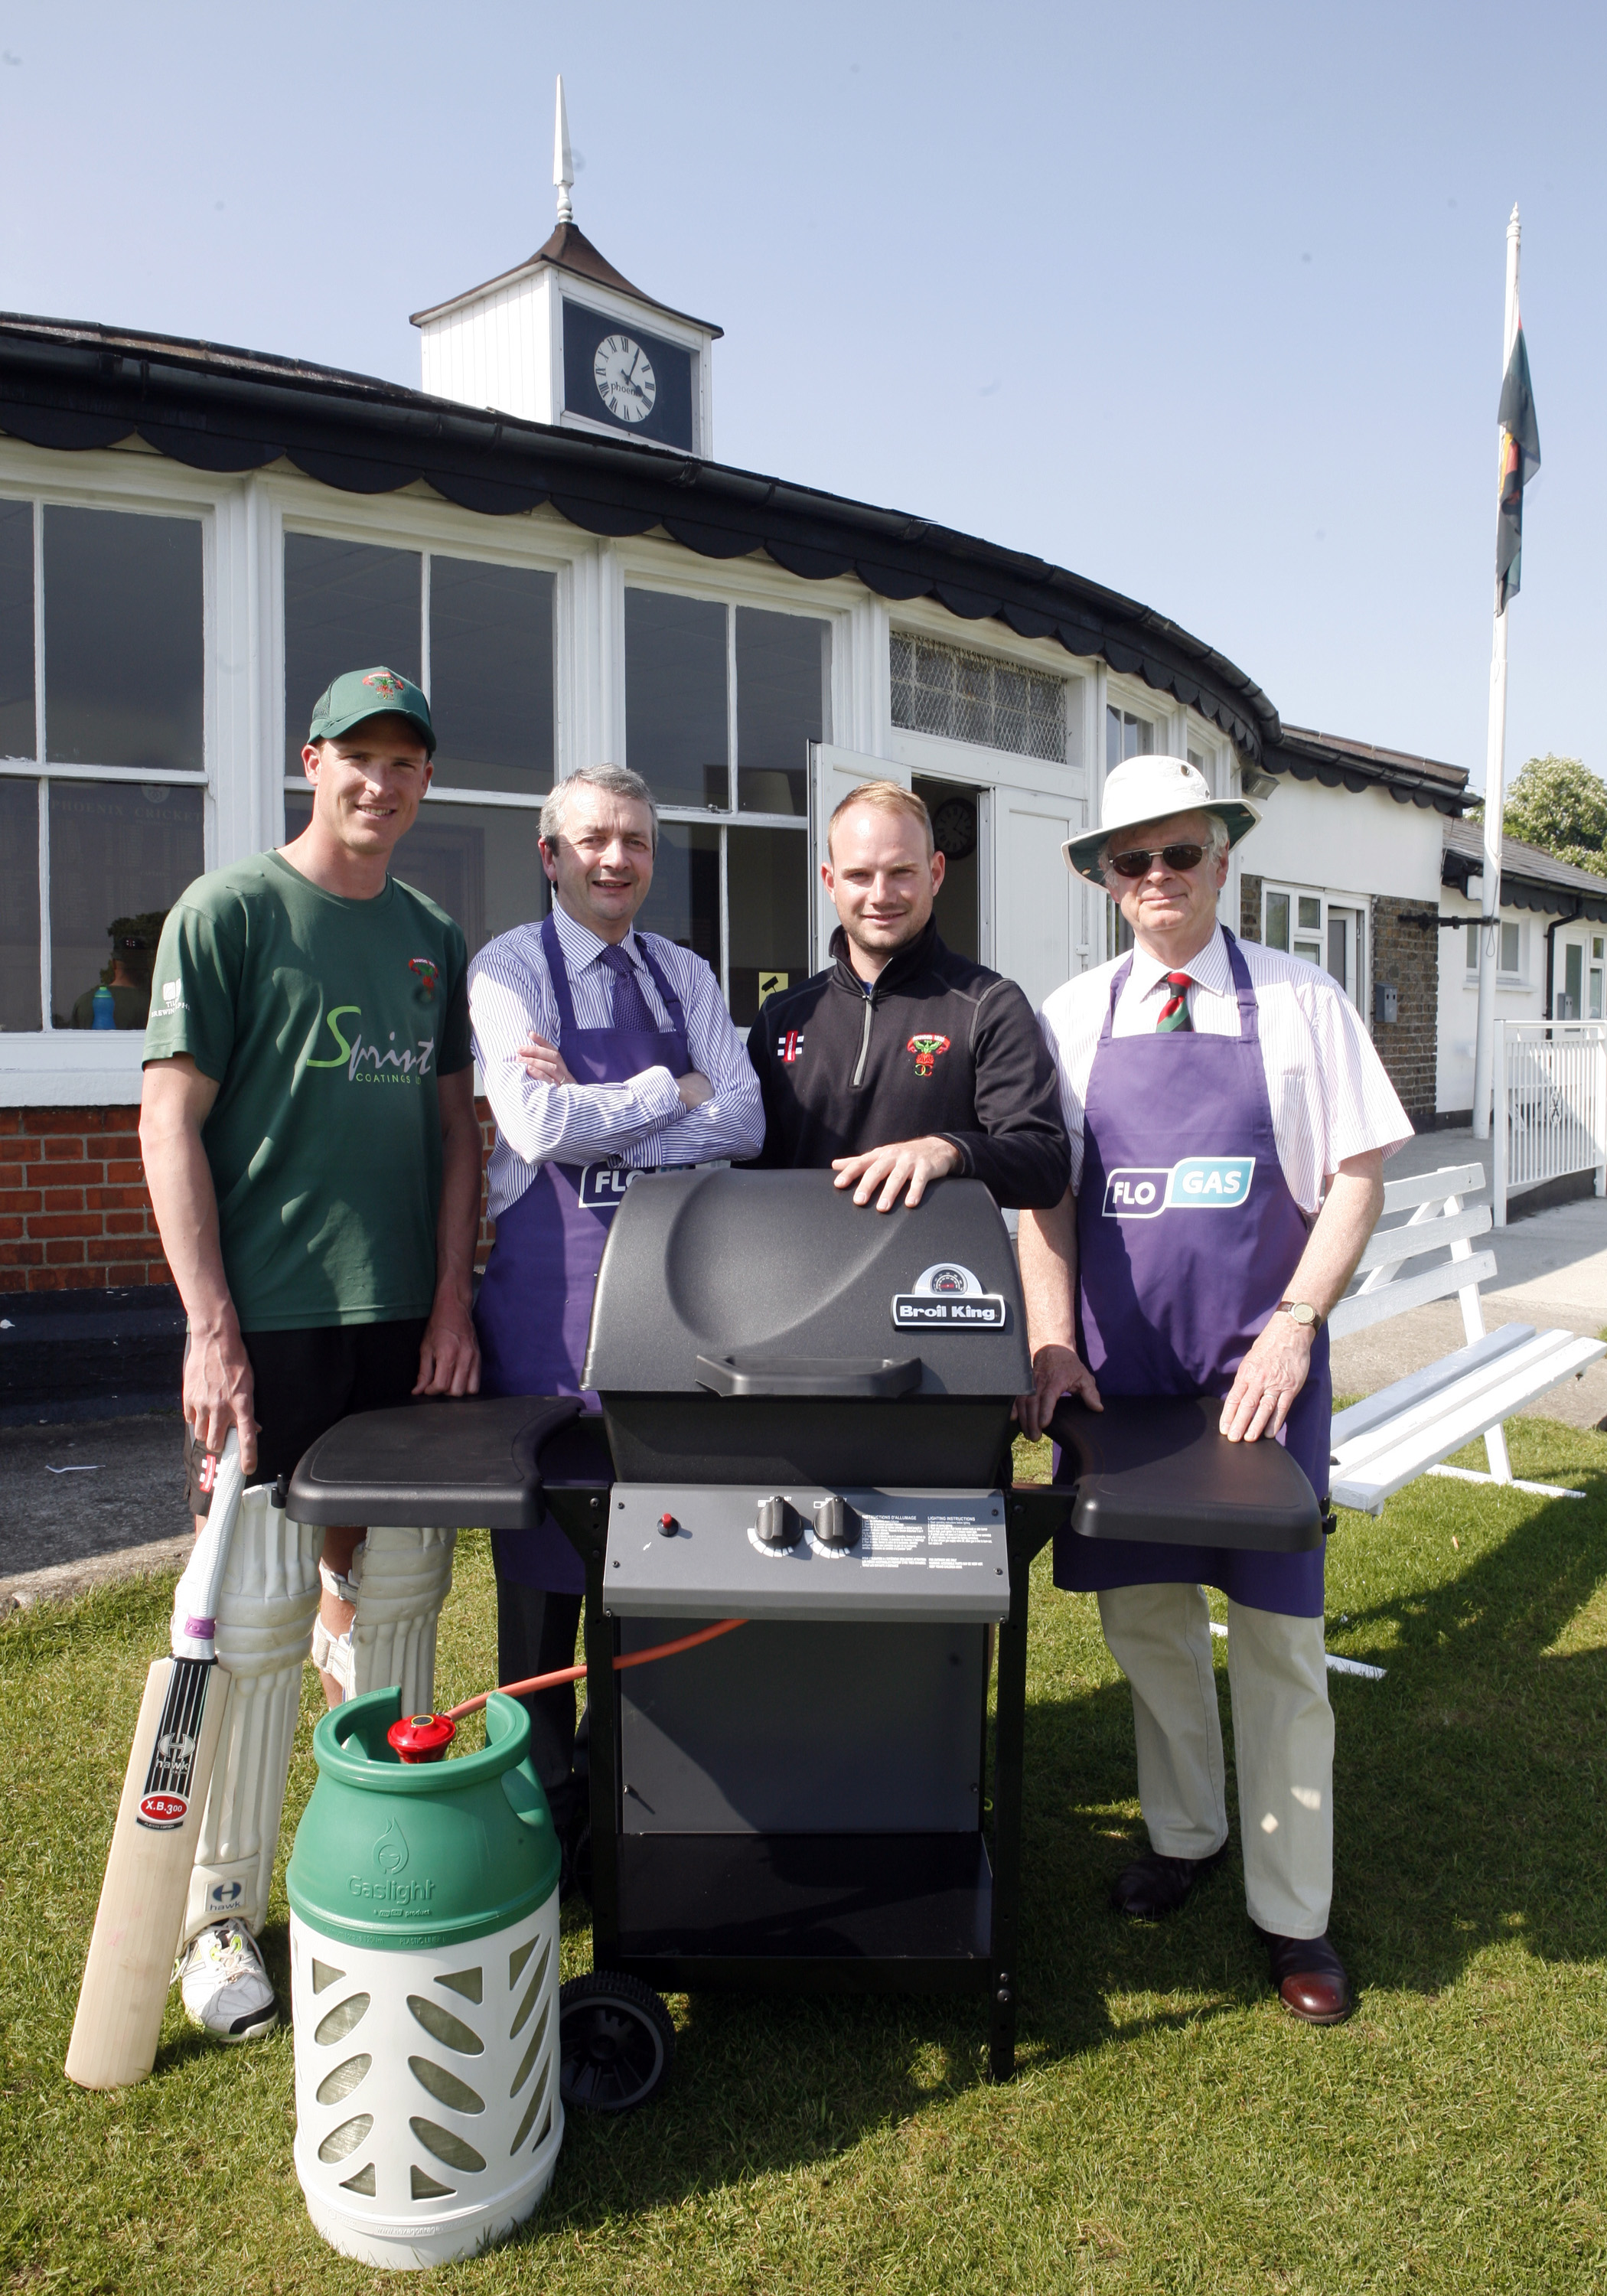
(616, 2043)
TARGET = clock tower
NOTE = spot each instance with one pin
(563, 338)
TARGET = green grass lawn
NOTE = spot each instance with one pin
(1170, 2126)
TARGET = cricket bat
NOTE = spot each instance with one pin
(124, 1994)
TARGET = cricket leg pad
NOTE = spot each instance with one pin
(266, 1611)
(405, 1579)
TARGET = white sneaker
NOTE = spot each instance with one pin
(225, 1985)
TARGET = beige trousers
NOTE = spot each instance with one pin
(1160, 1637)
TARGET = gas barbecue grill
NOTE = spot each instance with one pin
(806, 1425)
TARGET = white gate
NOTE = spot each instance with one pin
(1551, 1113)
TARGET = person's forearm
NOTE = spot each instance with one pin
(1047, 1245)
(184, 1202)
(577, 1123)
(1023, 1166)
(731, 1126)
(1349, 1214)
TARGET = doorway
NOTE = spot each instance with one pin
(957, 832)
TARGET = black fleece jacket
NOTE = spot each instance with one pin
(937, 1044)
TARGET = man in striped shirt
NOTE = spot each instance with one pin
(607, 1054)
(1228, 1119)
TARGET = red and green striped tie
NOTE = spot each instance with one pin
(1174, 1013)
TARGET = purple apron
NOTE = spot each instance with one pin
(535, 1305)
(1186, 1237)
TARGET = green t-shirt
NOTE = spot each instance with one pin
(324, 1024)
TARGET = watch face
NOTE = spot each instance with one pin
(625, 382)
(954, 828)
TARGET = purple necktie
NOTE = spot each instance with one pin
(629, 1005)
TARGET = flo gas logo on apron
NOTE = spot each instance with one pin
(1198, 1183)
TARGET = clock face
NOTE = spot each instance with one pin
(625, 382)
(954, 828)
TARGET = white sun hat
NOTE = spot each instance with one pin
(1153, 789)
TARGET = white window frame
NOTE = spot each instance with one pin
(1505, 976)
(1328, 896)
(198, 509)
(646, 570)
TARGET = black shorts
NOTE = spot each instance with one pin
(304, 1382)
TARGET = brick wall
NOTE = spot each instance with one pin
(1407, 957)
(74, 1212)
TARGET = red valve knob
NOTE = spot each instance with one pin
(422, 1737)
(667, 1522)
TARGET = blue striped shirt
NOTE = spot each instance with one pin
(641, 1124)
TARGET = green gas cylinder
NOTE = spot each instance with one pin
(424, 1988)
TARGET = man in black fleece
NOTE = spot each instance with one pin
(903, 1063)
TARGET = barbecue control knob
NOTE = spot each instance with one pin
(835, 1522)
(778, 1523)
(667, 1526)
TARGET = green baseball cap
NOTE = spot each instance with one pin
(362, 693)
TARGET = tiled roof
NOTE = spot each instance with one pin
(1338, 763)
(1530, 877)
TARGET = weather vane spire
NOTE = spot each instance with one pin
(563, 165)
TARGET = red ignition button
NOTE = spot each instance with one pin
(667, 1526)
(422, 1737)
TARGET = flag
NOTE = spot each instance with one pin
(1520, 459)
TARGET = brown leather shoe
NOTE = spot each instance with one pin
(1151, 1886)
(1310, 1979)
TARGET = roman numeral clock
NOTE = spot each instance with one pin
(624, 375)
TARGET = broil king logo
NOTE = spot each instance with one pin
(949, 1298)
(1199, 1184)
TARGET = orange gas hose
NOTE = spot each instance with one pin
(578, 1673)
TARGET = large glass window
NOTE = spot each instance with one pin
(479, 637)
(102, 792)
(491, 675)
(683, 904)
(767, 903)
(722, 703)
(783, 674)
(348, 605)
(481, 863)
(677, 703)
(1126, 736)
(118, 856)
(123, 652)
(18, 904)
(1329, 933)
(17, 737)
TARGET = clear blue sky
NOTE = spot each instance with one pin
(1203, 302)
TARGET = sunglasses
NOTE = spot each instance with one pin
(1176, 856)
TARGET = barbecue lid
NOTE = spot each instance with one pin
(777, 1283)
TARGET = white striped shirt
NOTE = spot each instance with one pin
(641, 1124)
(1325, 1084)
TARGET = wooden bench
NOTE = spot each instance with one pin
(1411, 1427)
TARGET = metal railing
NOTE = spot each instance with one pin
(1551, 1113)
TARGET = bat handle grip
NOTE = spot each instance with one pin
(195, 1597)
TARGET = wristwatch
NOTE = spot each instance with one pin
(1302, 1311)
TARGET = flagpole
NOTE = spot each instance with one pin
(1495, 766)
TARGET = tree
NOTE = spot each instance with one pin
(1560, 806)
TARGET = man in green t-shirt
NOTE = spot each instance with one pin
(313, 1156)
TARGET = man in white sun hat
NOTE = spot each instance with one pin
(1192, 1045)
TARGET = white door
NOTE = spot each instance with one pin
(1040, 911)
(833, 773)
